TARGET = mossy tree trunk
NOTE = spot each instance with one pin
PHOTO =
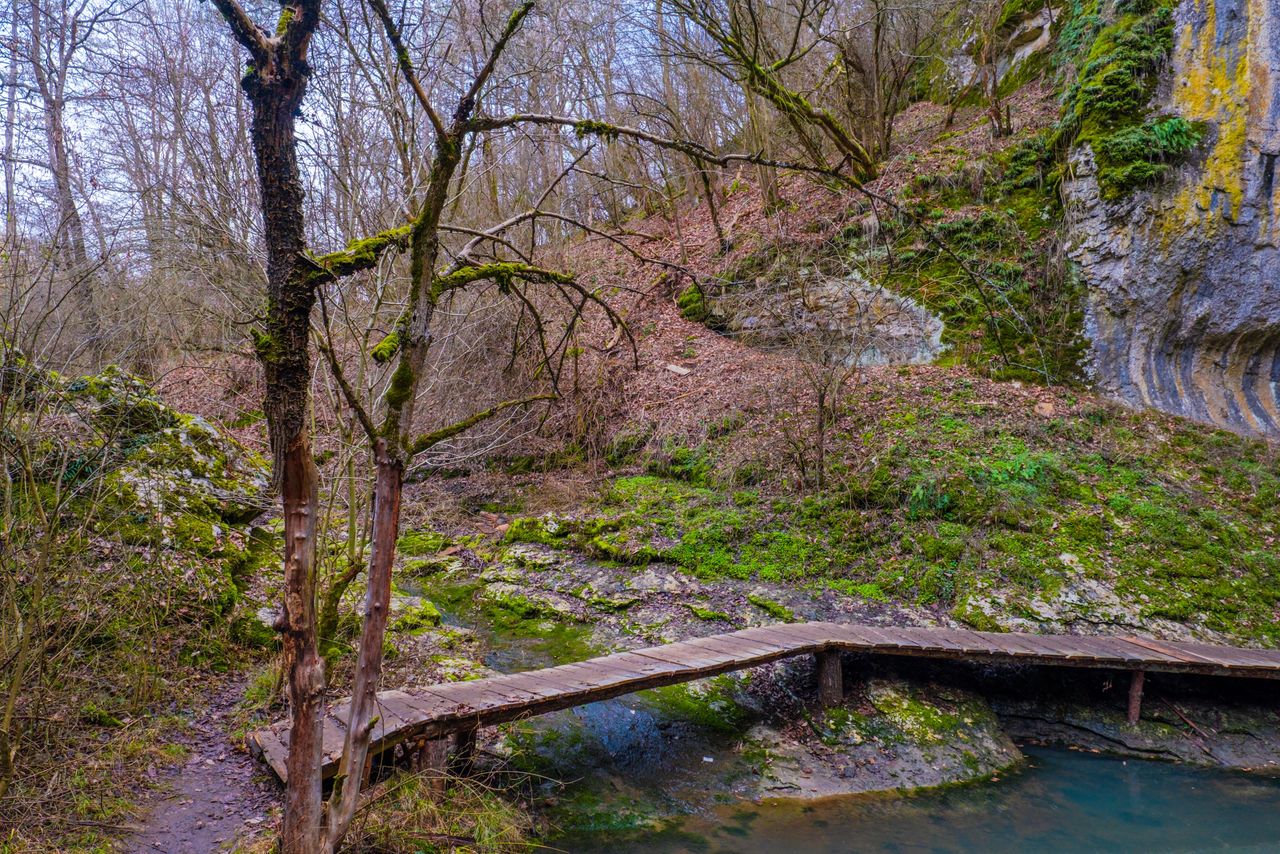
(275, 84)
(392, 441)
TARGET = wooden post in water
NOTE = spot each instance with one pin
(830, 678)
(1136, 678)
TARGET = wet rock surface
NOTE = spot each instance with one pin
(887, 735)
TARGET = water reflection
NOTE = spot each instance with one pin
(1061, 802)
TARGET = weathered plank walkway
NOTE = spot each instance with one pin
(429, 714)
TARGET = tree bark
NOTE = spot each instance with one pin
(297, 623)
(830, 678)
(275, 85)
(387, 490)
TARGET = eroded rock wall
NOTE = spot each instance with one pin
(1184, 280)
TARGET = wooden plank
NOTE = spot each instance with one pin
(1108, 648)
(498, 695)
(465, 696)
(690, 659)
(648, 666)
(908, 636)
(413, 708)
(778, 634)
(861, 636)
(738, 647)
(1063, 649)
(763, 635)
(536, 686)
(807, 633)
(879, 637)
(1155, 652)
(1016, 645)
(1230, 655)
(565, 683)
(273, 751)
(962, 640)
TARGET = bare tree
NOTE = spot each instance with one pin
(58, 34)
(879, 46)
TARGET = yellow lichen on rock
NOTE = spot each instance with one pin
(1212, 84)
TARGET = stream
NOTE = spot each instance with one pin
(1062, 801)
(638, 763)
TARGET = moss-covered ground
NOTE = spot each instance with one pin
(983, 508)
(128, 554)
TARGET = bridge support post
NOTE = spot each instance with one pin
(432, 761)
(464, 751)
(1136, 680)
(830, 678)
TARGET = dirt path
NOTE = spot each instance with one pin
(218, 797)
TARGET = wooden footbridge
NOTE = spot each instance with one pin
(426, 716)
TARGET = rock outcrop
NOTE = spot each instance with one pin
(1184, 279)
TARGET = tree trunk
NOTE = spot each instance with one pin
(387, 489)
(820, 463)
(10, 123)
(276, 92)
(302, 804)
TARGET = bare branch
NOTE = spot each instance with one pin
(405, 61)
(249, 34)
(435, 437)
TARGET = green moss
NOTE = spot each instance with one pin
(386, 349)
(94, 715)
(422, 567)
(422, 616)
(692, 465)
(418, 543)
(401, 386)
(626, 446)
(248, 630)
(774, 609)
(286, 17)
(708, 704)
(358, 255)
(545, 530)
(692, 304)
(918, 721)
(265, 346)
(587, 127)
(707, 614)
(1107, 108)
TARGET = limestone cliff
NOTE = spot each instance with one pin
(1183, 278)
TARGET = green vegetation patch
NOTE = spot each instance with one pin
(1108, 109)
(990, 511)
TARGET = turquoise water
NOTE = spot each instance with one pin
(1061, 802)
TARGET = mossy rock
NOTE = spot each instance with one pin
(417, 617)
(120, 404)
(774, 609)
(249, 630)
(418, 543)
(546, 530)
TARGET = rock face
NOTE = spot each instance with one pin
(831, 320)
(1184, 280)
